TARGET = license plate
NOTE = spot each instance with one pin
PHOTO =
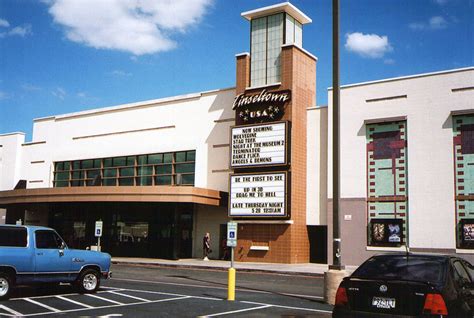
(381, 302)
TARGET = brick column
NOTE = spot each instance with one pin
(288, 243)
(299, 75)
(242, 73)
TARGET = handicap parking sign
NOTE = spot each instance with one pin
(98, 228)
(232, 234)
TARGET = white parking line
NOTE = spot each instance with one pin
(105, 299)
(140, 301)
(170, 294)
(42, 305)
(289, 307)
(130, 296)
(236, 311)
(303, 296)
(74, 302)
(68, 294)
(217, 287)
(16, 313)
(111, 306)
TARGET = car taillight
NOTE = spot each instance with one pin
(435, 305)
(341, 297)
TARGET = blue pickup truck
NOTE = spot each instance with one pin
(33, 254)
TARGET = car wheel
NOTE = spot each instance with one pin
(89, 281)
(5, 286)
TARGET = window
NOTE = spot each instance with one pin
(387, 202)
(294, 31)
(267, 35)
(48, 240)
(412, 267)
(274, 43)
(470, 270)
(266, 41)
(463, 153)
(467, 139)
(157, 158)
(13, 236)
(460, 273)
(171, 168)
(383, 141)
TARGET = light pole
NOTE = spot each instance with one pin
(336, 272)
(336, 247)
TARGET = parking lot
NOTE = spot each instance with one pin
(173, 297)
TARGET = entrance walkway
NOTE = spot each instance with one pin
(308, 269)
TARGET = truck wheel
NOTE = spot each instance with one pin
(5, 286)
(89, 281)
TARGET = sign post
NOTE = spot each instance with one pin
(232, 243)
(98, 233)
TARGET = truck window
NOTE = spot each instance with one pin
(13, 236)
(48, 239)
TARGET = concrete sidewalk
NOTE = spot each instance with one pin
(308, 269)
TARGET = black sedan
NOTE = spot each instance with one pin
(408, 285)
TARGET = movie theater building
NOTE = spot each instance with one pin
(407, 165)
(162, 173)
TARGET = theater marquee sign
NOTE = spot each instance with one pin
(264, 106)
(259, 145)
(261, 195)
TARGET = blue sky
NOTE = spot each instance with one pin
(61, 56)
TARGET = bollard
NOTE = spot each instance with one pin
(231, 285)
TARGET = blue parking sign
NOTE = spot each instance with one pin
(98, 228)
(232, 234)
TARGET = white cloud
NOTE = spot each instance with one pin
(30, 87)
(417, 26)
(437, 23)
(120, 73)
(59, 92)
(434, 23)
(22, 31)
(85, 97)
(441, 2)
(3, 95)
(4, 23)
(389, 61)
(367, 45)
(136, 26)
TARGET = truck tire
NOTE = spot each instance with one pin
(88, 281)
(5, 286)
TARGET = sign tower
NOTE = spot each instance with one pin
(275, 85)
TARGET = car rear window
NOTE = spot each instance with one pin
(12, 236)
(413, 268)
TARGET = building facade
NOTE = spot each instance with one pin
(152, 171)
(162, 173)
(405, 156)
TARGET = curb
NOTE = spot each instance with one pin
(219, 268)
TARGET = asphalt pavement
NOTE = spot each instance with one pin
(155, 291)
